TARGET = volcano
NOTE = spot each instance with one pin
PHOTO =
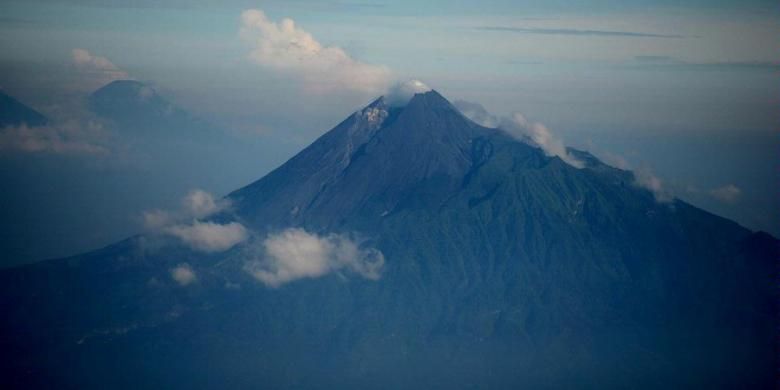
(16, 113)
(501, 267)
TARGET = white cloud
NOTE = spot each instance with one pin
(477, 113)
(401, 93)
(540, 135)
(196, 205)
(645, 179)
(156, 220)
(98, 70)
(71, 138)
(183, 274)
(187, 225)
(285, 47)
(615, 160)
(521, 129)
(727, 194)
(201, 204)
(209, 236)
(295, 254)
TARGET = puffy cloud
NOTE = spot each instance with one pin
(209, 236)
(197, 204)
(295, 254)
(99, 70)
(201, 204)
(285, 47)
(183, 274)
(645, 179)
(71, 138)
(401, 93)
(187, 225)
(727, 194)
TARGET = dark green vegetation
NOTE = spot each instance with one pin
(504, 268)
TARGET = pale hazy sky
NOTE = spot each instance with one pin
(687, 89)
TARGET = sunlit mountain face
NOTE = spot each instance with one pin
(408, 247)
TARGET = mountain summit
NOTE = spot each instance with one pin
(138, 110)
(502, 267)
(425, 140)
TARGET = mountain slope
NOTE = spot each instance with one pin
(135, 105)
(504, 268)
(15, 113)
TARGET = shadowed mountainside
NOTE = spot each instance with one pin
(504, 268)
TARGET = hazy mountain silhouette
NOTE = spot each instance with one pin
(15, 113)
(58, 204)
(138, 110)
(504, 268)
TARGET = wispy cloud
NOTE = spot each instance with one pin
(96, 70)
(521, 129)
(644, 178)
(188, 226)
(287, 48)
(672, 63)
(577, 32)
(69, 138)
(197, 204)
(401, 93)
(16, 21)
(209, 236)
(477, 113)
(294, 254)
(727, 194)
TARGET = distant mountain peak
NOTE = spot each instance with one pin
(129, 90)
(136, 106)
(15, 113)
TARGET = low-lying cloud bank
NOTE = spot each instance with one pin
(294, 254)
(71, 129)
(70, 138)
(520, 128)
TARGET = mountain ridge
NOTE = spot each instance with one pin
(504, 267)
(15, 113)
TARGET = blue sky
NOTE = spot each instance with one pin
(685, 89)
